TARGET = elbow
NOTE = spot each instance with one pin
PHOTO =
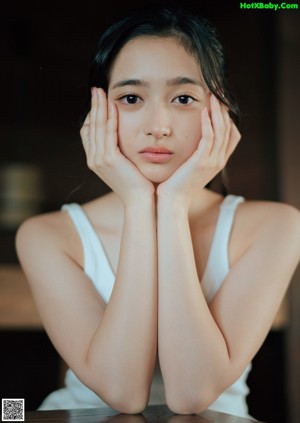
(126, 401)
(189, 400)
(132, 405)
(123, 394)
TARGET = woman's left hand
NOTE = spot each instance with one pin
(219, 139)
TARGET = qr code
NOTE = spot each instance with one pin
(13, 410)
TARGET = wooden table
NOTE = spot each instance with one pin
(159, 414)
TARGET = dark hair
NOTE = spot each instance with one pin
(196, 35)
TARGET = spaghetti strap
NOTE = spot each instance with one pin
(96, 262)
(218, 261)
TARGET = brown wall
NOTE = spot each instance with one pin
(288, 112)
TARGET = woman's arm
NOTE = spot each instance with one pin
(204, 348)
(124, 347)
(112, 348)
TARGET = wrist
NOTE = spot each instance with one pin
(139, 197)
(139, 204)
(172, 198)
(172, 206)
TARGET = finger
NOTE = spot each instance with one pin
(206, 142)
(227, 127)
(92, 114)
(84, 133)
(218, 124)
(92, 126)
(100, 122)
(101, 116)
(234, 139)
(111, 129)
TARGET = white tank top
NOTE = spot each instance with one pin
(98, 269)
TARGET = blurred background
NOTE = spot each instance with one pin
(45, 52)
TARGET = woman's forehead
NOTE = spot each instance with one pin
(150, 58)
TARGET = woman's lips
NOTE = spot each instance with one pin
(156, 154)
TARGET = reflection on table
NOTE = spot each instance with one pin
(159, 414)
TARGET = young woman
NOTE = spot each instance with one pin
(163, 290)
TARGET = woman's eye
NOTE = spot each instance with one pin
(130, 99)
(184, 99)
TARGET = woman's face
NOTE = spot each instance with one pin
(159, 92)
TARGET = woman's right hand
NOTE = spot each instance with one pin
(99, 135)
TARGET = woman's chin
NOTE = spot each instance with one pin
(157, 175)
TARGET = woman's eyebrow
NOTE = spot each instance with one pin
(184, 80)
(178, 80)
(132, 82)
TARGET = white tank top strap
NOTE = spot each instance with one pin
(218, 261)
(225, 222)
(95, 258)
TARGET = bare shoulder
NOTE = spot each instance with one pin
(41, 234)
(270, 213)
(268, 220)
(55, 233)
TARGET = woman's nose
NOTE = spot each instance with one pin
(158, 123)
